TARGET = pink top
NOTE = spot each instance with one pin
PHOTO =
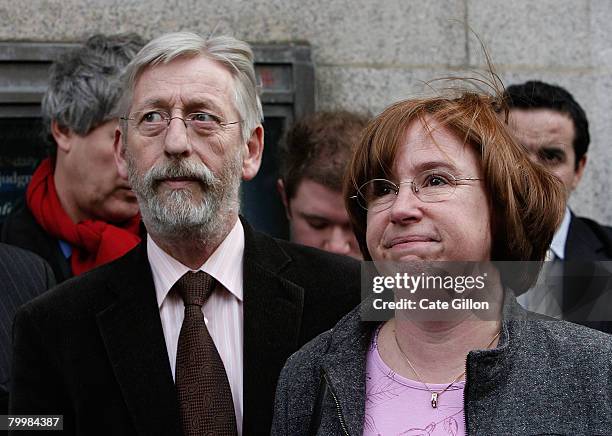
(399, 406)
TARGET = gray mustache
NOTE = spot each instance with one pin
(181, 168)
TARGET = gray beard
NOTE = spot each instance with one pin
(175, 215)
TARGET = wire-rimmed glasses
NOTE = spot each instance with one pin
(430, 186)
(153, 124)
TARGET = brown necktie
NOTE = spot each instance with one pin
(204, 394)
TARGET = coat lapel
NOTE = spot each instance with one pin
(586, 287)
(132, 334)
(272, 318)
(345, 375)
(582, 244)
(344, 369)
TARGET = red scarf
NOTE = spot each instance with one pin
(94, 243)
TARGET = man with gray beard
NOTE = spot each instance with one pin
(187, 333)
(175, 215)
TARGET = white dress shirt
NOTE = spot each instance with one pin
(223, 312)
(546, 296)
(560, 239)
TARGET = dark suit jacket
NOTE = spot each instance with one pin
(93, 348)
(588, 240)
(587, 288)
(21, 229)
(23, 276)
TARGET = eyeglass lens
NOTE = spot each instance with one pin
(428, 186)
(154, 124)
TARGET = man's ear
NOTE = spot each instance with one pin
(579, 171)
(253, 153)
(119, 149)
(280, 187)
(62, 136)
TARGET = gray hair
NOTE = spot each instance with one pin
(83, 83)
(235, 55)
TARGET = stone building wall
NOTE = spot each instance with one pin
(368, 54)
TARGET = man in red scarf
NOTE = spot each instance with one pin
(79, 213)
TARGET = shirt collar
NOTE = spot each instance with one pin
(66, 248)
(225, 265)
(560, 238)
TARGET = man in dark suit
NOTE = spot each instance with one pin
(23, 276)
(553, 126)
(188, 332)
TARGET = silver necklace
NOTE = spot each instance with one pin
(434, 394)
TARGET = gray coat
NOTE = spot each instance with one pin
(545, 377)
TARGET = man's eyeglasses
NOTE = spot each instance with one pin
(154, 123)
(430, 186)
